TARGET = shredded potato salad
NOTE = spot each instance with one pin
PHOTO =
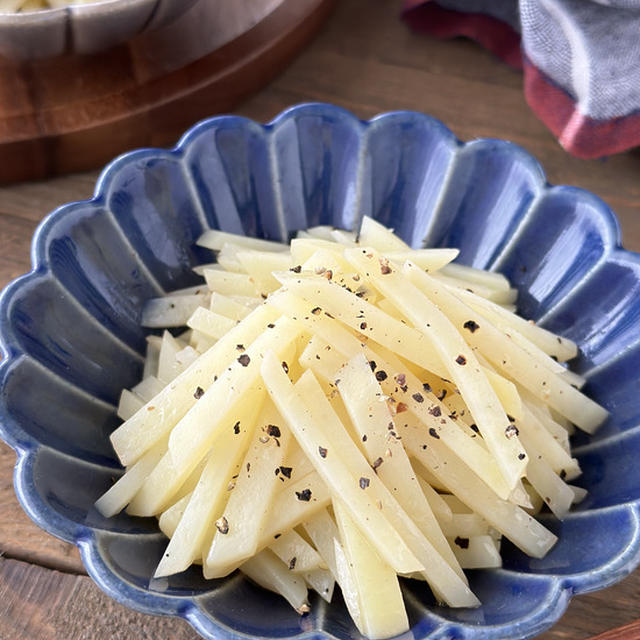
(348, 410)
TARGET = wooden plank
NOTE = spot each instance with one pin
(38, 603)
(20, 538)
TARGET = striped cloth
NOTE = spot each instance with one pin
(581, 60)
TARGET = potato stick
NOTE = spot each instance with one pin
(226, 306)
(206, 503)
(440, 508)
(465, 525)
(298, 461)
(227, 283)
(312, 437)
(470, 274)
(200, 425)
(511, 358)
(534, 497)
(269, 572)
(561, 348)
(557, 495)
(329, 297)
(121, 493)
(248, 301)
(156, 419)
(557, 431)
(447, 585)
(289, 510)
(152, 357)
(512, 521)
(210, 323)
(427, 259)
(168, 369)
(215, 240)
(339, 338)
(381, 606)
(255, 490)
(296, 553)
(376, 235)
(535, 437)
(500, 296)
(228, 263)
(170, 518)
(323, 531)
(128, 404)
(322, 582)
(460, 361)
(171, 311)
(573, 378)
(426, 475)
(260, 264)
(477, 552)
(203, 343)
(455, 504)
(347, 582)
(579, 494)
(162, 487)
(372, 419)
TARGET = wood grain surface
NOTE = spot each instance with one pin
(367, 61)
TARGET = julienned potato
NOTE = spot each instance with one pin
(348, 411)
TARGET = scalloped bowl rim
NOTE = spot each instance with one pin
(562, 587)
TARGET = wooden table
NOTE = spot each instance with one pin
(367, 61)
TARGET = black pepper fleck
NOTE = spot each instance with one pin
(273, 431)
(463, 543)
(296, 269)
(433, 433)
(418, 397)
(363, 482)
(304, 495)
(381, 375)
(435, 411)
(322, 451)
(236, 427)
(286, 471)
(471, 325)
(244, 360)
(198, 393)
(376, 463)
(222, 525)
(285, 367)
(461, 360)
(511, 431)
(292, 563)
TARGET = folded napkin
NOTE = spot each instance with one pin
(581, 60)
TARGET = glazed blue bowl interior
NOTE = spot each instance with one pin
(72, 339)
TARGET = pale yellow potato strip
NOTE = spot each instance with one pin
(322, 582)
(427, 259)
(128, 404)
(170, 518)
(555, 492)
(478, 552)
(226, 306)
(269, 572)
(122, 492)
(260, 264)
(210, 323)
(296, 553)
(440, 508)
(381, 606)
(471, 274)
(228, 283)
(156, 419)
(375, 234)
(312, 437)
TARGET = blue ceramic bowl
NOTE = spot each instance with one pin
(71, 334)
